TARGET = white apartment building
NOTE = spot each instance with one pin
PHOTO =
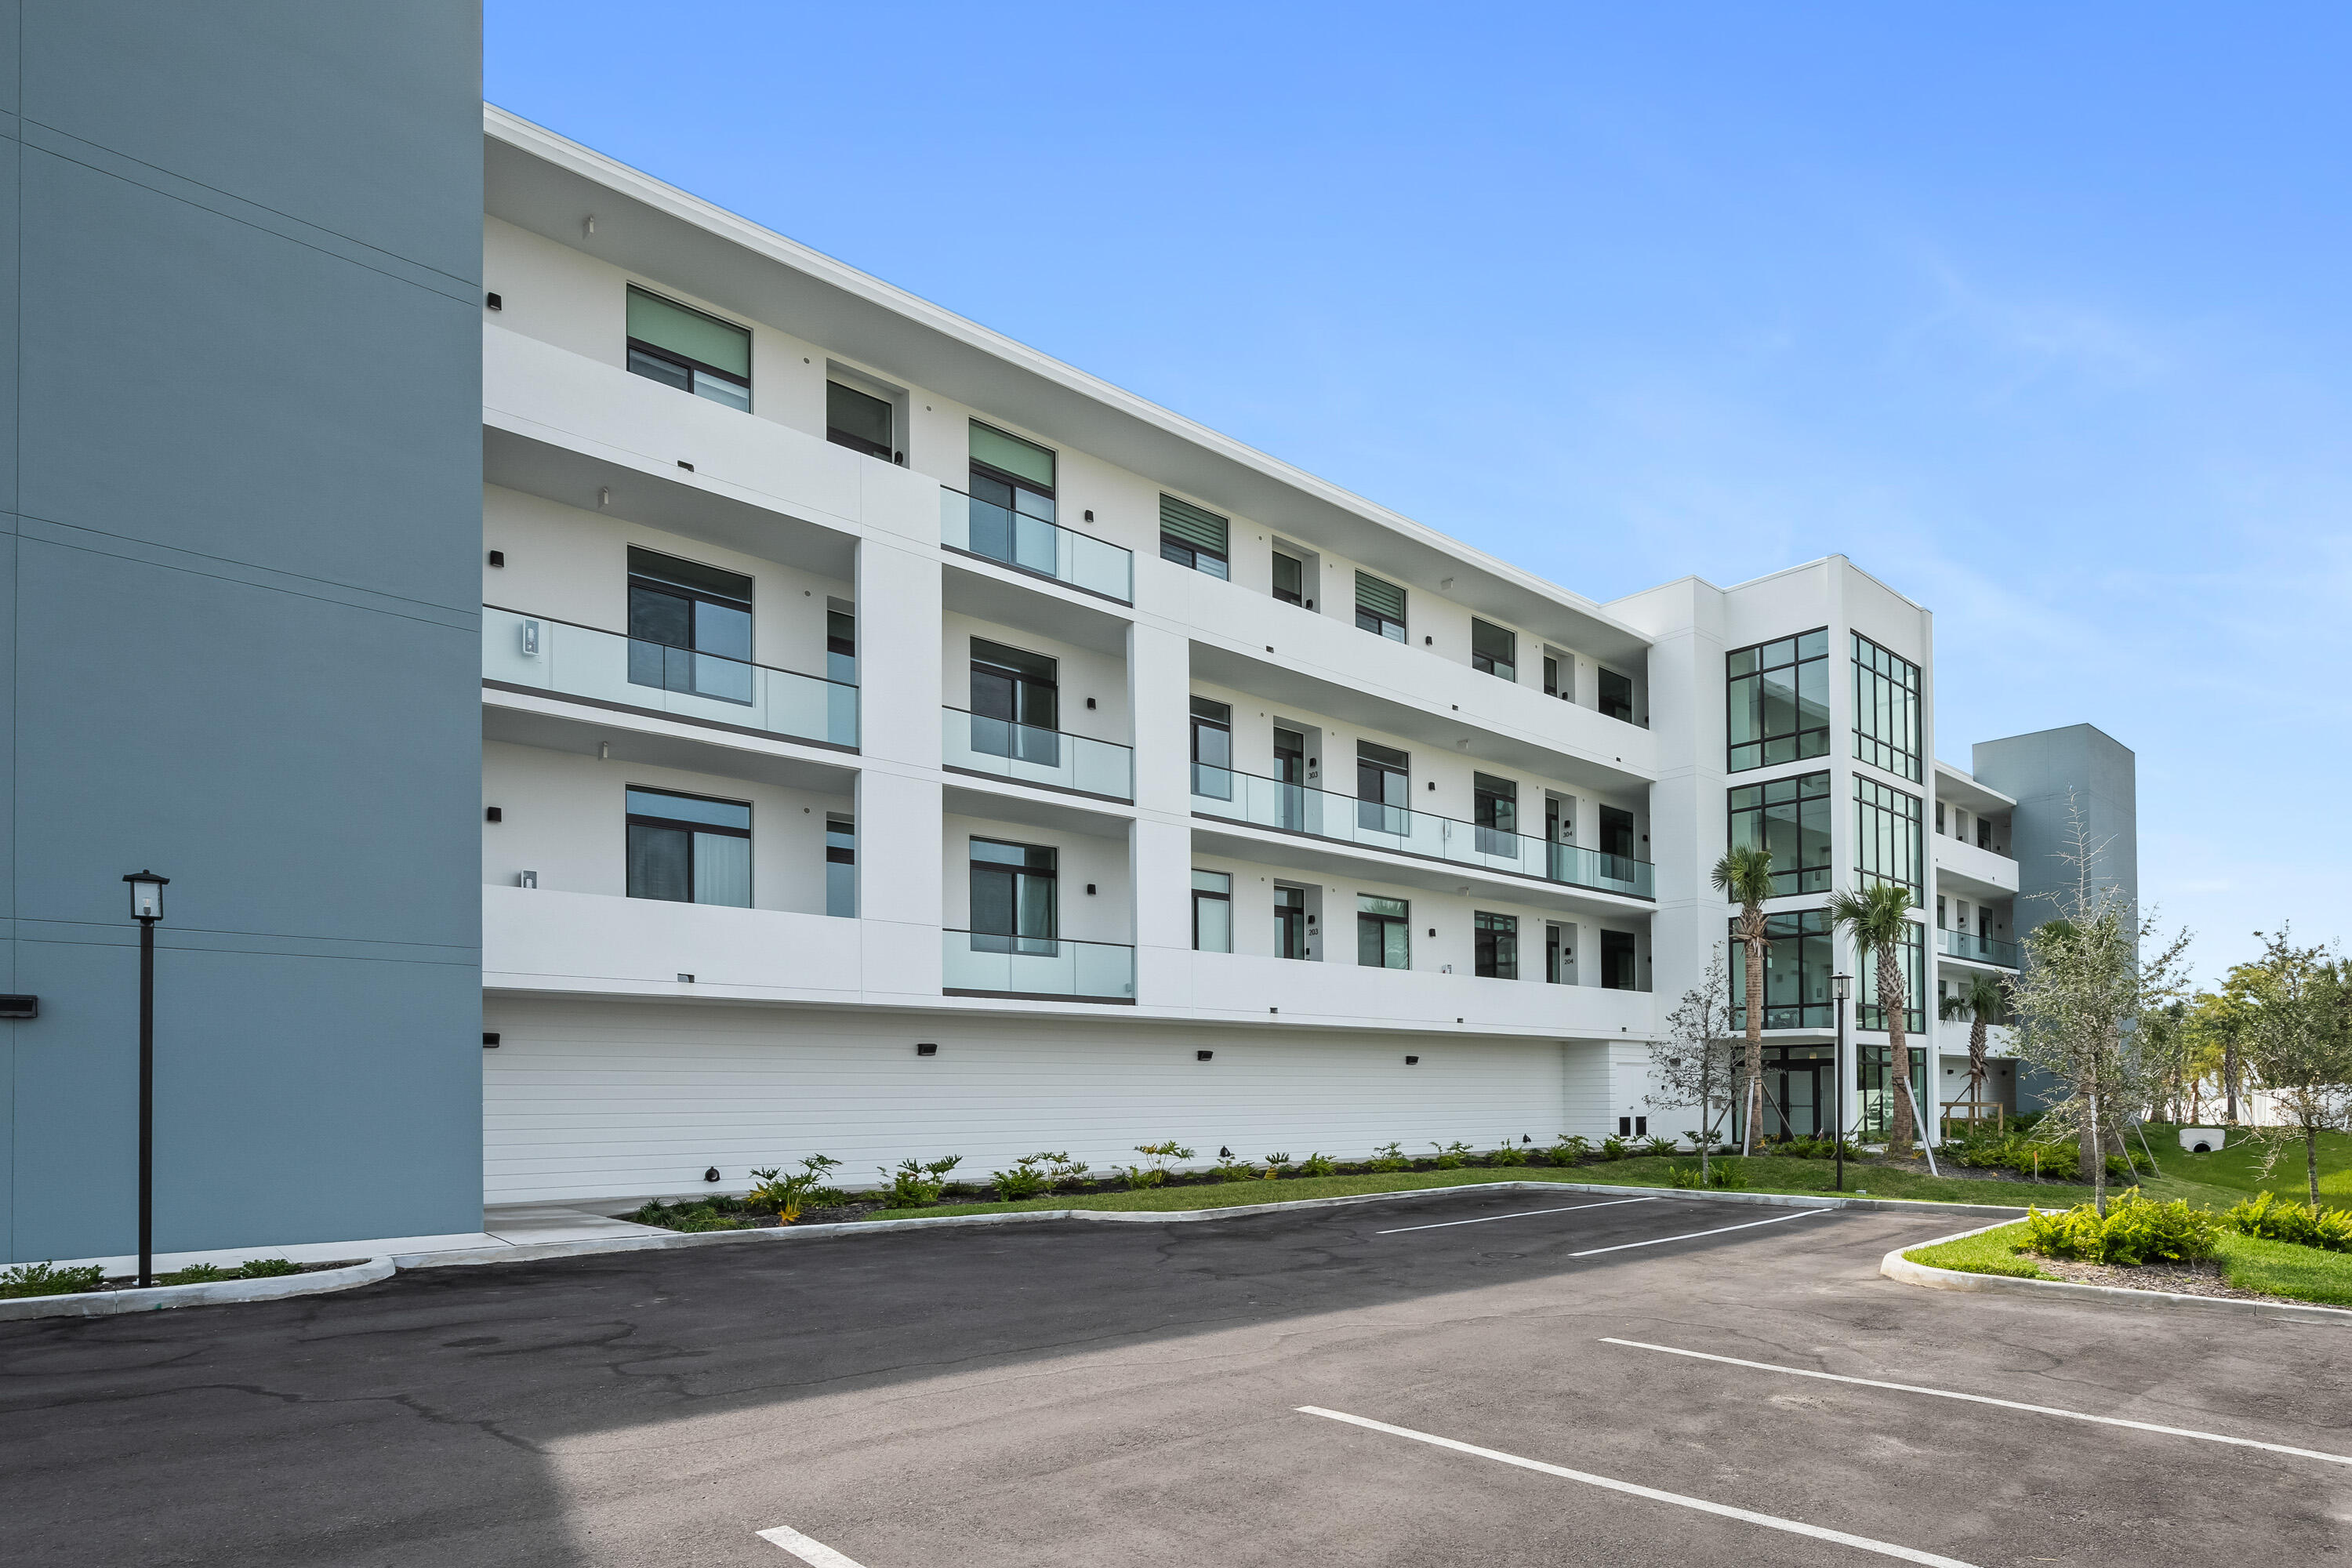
(897, 743)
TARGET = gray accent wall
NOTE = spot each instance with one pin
(239, 617)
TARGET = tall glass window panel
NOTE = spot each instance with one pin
(685, 348)
(1495, 945)
(840, 866)
(1213, 911)
(1778, 704)
(1889, 835)
(1870, 1012)
(1290, 922)
(1886, 710)
(858, 420)
(1617, 837)
(1192, 536)
(1791, 817)
(1383, 932)
(1798, 963)
(688, 849)
(1016, 704)
(1289, 579)
(1290, 771)
(1620, 962)
(1380, 606)
(1615, 694)
(841, 644)
(1493, 649)
(1383, 789)
(1213, 749)
(1559, 676)
(1494, 811)
(689, 627)
(1011, 487)
(1013, 896)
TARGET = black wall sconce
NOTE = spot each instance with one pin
(927, 1048)
(498, 557)
(1203, 1055)
(494, 814)
(1412, 1061)
(490, 1039)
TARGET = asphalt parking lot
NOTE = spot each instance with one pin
(1487, 1379)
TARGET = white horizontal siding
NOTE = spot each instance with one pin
(597, 1099)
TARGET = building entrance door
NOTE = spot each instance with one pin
(1796, 1080)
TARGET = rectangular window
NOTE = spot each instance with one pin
(1013, 495)
(1559, 954)
(1869, 1012)
(1016, 704)
(1289, 923)
(1886, 710)
(1559, 676)
(1289, 579)
(1495, 812)
(1383, 932)
(1791, 818)
(1380, 606)
(1616, 695)
(1984, 834)
(858, 420)
(687, 849)
(689, 627)
(1889, 843)
(1939, 816)
(679, 346)
(840, 866)
(1213, 749)
(840, 642)
(1798, 962)
(1495, 939)
(1494, 650)
(1620, 966)
(1779, 707)
(1192, 536)
(1383, 789)
(1617, 833)
(1213, 911)
(1013, 896)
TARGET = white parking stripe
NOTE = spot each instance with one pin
(1488, 1219)
(816, 1553)
(1988, 1399)
(1770, 1522)
(1695, 1235)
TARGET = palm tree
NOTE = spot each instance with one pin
(1744, 876)
(1878, 919)
(1979, 1005)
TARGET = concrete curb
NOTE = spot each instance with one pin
(548, 1249)
(1896, 1267)
(160, 1298)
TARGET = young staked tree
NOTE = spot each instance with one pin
(1980, 1003)
(2090, 974)
(2218, 1019)
(2298, 1041)
(1695, 1064)
(1744, 876)
(1878, 920)
(2172, 1053)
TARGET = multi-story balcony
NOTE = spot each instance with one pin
(1035, 545)
(974, 743)
(1321, 814)
(1973, 872)
(539, 653)
(1977, 949)
(1045, 968)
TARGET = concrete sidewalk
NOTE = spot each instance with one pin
(503, 1225)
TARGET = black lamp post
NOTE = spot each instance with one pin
(1841, 986)
(146, 907)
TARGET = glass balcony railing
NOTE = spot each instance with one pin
(1030, 755)
(1983, 949)
(1038, 966)
(1301, 808)
(572, 661)
(1034, 544)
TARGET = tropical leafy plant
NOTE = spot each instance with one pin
(1509, 1153)
(1318, 1164)
(2134, 1230)
(1275, 1166)
(1389, 1157)
(1570, 1148)
(267, 1268)
(786, 1197)
(1023, 1181)
(1233, 1170)
(2267, 1215)
(1744, 876)
(195, 1274)
(48, 1279)
(1615, 1148)
(1451, 1156)
(917, 1182)
(1157, 1158)
(1660, 1147)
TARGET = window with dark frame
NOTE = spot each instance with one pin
(1495, 942)
(1778, 702)
(687, 848)
(1799, 959)
(1495, 813)
(1213, 911)
(1791, 817)
(689, 349)
(1617, 836)
(1886, 710)
(1560, 678)
(1615, 694)
(860, 421)
(1383, 932)
(1380, 606)
(1213, 749)
(1869, 1014)
(1889, 836)
(1011, 490)
(1493, 649)
(1194, 536)
(1289, 579)
(1016, 704)
(1289, 923)
(841, 645)
(1620, 967)
(1014, 897)
(689, 627)
(1383, 789)
(840, 865)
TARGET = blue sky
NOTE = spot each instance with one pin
(2040, 316)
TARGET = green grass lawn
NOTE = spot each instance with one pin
(2237, 1169)
(2273, 1268)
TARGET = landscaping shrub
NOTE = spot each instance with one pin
(1727, 1174)
(1156, 1160)
(1572, 1149)
(1683, 1175)
(917, 1182)
(784, 1197)
(1388, 1157)
(194, 1274)
(47, 1279)
(1318, 1165)
(1233, 1170)
(1509, 1153)
(717, 1213)
(1451, 1156)
(2265, 1216)
(267, 1268)
(2134, 1230)
(1023, 1181)
(1615, 1148)
(1660, 1147)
